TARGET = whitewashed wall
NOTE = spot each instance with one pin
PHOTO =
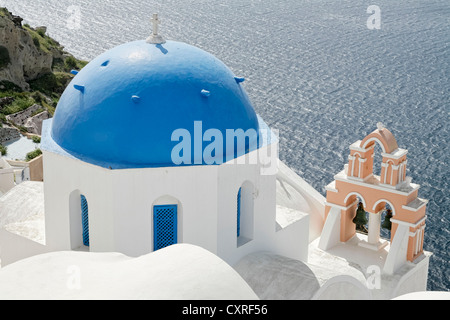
(121, 204)
(121, 208)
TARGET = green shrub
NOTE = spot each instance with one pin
(82, 64)
(42, 41)
(33, 154)
(71, 63)
(51, 83)
(46, 83)
(40, 110)
(3, 149)
(20, 103)
(22, 129)
(36, 139)
(38, 97)
(7, 86)
(58, 65)
(63, 79)
(4, 12)
(41, 32)
(36, 41)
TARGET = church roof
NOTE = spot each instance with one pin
(177, 272)
(123, 108)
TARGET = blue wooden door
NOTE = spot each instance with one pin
(85, 220)
(164, 226)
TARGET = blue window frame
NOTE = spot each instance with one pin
(239, 212)
(164, 226)
(85, 220)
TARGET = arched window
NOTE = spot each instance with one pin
(165, 226)
(388, 176)
(361, 218)
(244, 213)
(377, 159)
(386, 210)
(85, 220)
(356, 217)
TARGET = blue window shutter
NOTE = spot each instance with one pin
(85, 220)
(164, 226)
(239, 213)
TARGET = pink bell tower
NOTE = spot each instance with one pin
(357, 183)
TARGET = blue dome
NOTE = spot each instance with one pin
(122, 109)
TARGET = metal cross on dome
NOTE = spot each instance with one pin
(155, 38)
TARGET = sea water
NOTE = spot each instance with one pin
(314, 70)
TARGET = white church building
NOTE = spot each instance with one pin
(155, 143)
(138, 157)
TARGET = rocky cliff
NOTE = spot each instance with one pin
(21, 60)
(34, 71)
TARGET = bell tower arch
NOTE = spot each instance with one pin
(390, 191)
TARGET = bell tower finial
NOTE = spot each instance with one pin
(155, 38)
